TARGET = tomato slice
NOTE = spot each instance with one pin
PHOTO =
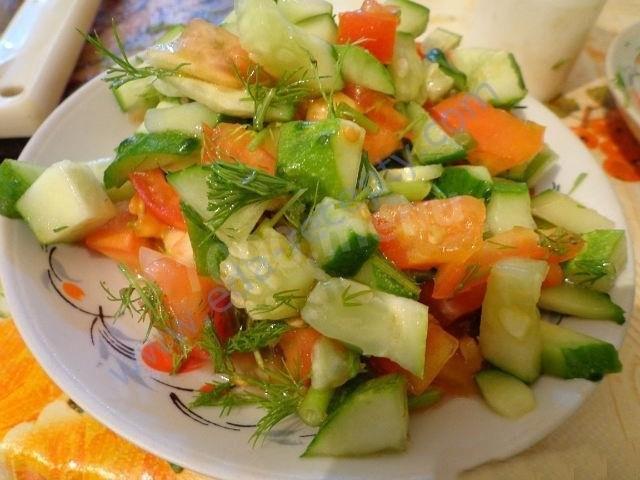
(159, 197)
(297, 347)
(457, 376)
(426, 234)
(158, 357)
(555, 276)
(230, 142)
(373, 27)
(117, 239)
(222, 313)
(448, 310)
(457, 277)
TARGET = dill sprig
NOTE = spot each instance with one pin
(558, 240)
(282, 298)
(211, 344)
(145, 299)
(259, 335)
(123, 71)
(234, 185)
(350, 299)
(286, 91)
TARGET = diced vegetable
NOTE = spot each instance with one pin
(470, 180)
(148, 151)
(377, 323)
(341, 236)
(78, 206)
(208, 250)
(459, 77)
(98, 167)
(510, 325)
(362, 68)
(187, 118)
(532, 171)
(379, 274)
(509, 207)
(15, 178)
(321, 26)
(284, 49)
(422, 173)
(159, 198)
(430, 233)
(492, 75)
(502, 141)
(407, 70)
(569, 354)
(136, 94)
(413, 16)
(233, 143)
(297, 347)
(431, 144)
(298, 10)
(601, 259)
(324, 157)
(563, 211)
(332, 364)
(580, 302)
(439, 84)
(373, 418)
(413, 190)
(505, 394)
(373, 28)
(441, 39)
(267, 276)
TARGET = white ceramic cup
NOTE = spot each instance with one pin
(546, 36)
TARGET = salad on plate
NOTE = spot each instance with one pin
(338, 220)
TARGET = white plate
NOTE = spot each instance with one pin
(94, 360)
(623, 64)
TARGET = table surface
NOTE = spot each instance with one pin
(601, 441)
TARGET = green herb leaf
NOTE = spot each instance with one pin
(577, 182)
(285, 297)
(259, 335)
(349, 299)
(211, 344)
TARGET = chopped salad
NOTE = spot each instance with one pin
(336, 219)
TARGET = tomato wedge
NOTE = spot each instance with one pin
(448, 310)
(230, 142)
(297, 347)
(373, 27)
(158, 357)
(457, 376)
(117, 239)
(430, 233)
(159, 197)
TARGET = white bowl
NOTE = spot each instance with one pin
(623, 75)
(95, 361)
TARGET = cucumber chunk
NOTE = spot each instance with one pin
(508, 207)
(493, 75)
(65, 203)
(118, 194)
(439, 84)
(208, 250)
(580, 302)
(532, 171)
(136, 94)
(323, 156)
(424, 400)
(332, 364)
(321, 26)
(601, 259)
(268, 276)
(569, 354)
(413, 190)
(282, 48)
(563, 211)
(298, 10)
(422, 173)
(375, 322)
(15, 178)
(341, 236)
(441, 39)
(413, 16)
(373, 418)
(510, 324)
(473, 180)
(235, 103)
(380, 274)
(148, 151)
(362, 68)
(377, 203)
(407, 70)
(431, 144)
(505, 394)
(187, 118)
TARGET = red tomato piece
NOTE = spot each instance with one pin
(117, 239)
(457, 376)
(230, 142)
(222, 313)
(158, 357)
(555, 276)
(502, 140)
(448, 310)
(297, 347)
(159, 197)
(430, 233)
(373, 27)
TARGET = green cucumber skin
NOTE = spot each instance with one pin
(351, 255)
(580, 302)
(460, 181)
(393, 385)
(362, 68)
(414, 17)
(147, 151)
(15, 178)
(208, 251)
(380, 274)
(568, 354)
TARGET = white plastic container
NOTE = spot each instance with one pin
(546, 36)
